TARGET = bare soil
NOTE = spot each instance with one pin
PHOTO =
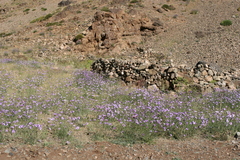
(162, 149)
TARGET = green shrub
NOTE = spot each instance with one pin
(5, 34)
(26, 10)
(134, 1)
(168, 7)
(78, 37)
(238, 9)
(226, 23)
(105, 9)
(43, 9)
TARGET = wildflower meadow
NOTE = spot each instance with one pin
(44, 104)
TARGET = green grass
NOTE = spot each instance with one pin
(226, 23)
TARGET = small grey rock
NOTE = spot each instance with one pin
(7, 151)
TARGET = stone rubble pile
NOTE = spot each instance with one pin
(202, 77)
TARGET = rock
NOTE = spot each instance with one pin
(237, 135)
(236, 83)
(108, 28)
(157, 22)
(2, 11)
(152, 72)
(153, 88)
(204, 73)
(216, 78)
(201, 64)
(7, 151)
(64, 3)
(172, 75)
(195, 80)
(230, 85)
(172, 69)
(110, 74)
(159, 10)
(202, 82)
(207, 90)
(128, 79)
(208, 78)
(221, 84)
(210, 73)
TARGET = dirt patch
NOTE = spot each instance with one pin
(162, 149)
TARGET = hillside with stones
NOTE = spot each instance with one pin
(187, 32)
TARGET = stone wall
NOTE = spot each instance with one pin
(202, 77)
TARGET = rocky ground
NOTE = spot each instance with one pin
(189, 33)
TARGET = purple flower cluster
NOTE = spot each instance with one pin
(184, 114)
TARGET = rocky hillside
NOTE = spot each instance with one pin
(179, 31)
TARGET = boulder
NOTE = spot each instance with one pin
(109, 28)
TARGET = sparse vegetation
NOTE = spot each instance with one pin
(26, 10)
(105, 9)
(181, 80)
(41, 34)
(226, 23)
(194, 11)
(168, 7)
(28, 51)
(43, 9)
(5, 34)
(43, 18)
(78, 37)
(134, 1)
(213, 81)
(54, 24)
